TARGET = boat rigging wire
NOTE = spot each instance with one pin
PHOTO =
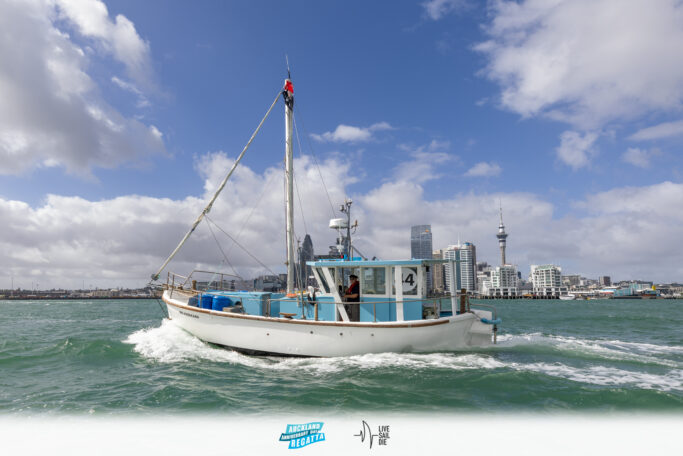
(161, 307)
(315, 160)
(253, 209)
(207, 209)
(296, 186)
(298, 277)
(240, 246)
(224, 255)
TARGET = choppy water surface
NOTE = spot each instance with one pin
(113, 357)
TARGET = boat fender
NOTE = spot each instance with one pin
(486, 321)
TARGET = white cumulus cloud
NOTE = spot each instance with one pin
(425, 162)
(117, 37)
(350, 134)
(576, 150)
(143, 101)
(484, 169)
(436, 9)
(625, 232)
(52, 112)
(663, 130)
(122, 241)
(639, 157)
(587, 63)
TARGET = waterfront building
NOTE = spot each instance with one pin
(465, 256)
(524, 287)
(271, 283)
(468, 268)
(571, 281)
(504, 282)
(483, 277)
(450, 254)
(546, 280)
(438, 272)
(605, 281)
(483, 285)
(421, 245)
(502, 237)
(636, 288)
(589, 283)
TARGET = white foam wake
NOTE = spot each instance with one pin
(608, 376)
(517, 339)
(608, 349)
(169, 344)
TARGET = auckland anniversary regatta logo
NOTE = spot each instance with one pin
(300, 435)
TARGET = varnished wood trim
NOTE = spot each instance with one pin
(416, 324)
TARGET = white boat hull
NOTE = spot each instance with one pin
(286, 337)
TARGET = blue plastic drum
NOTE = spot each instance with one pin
(193, 301)
(207, 301)
(220, 302)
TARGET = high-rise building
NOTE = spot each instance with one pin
(605, 281)
(304, 271)
(421, 242)
(504, 281)
(547, 280)
(450, 254)
(465, 256)
(438, 272)
(421, 246)
(502, 236)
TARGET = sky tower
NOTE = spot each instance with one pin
(502, 236)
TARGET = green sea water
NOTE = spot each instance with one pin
(113, 357)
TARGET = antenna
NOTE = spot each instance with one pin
(289, 74)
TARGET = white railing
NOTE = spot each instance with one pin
(173, 282)
(314, 302)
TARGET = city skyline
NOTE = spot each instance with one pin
(120, 118)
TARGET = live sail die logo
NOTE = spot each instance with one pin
(301, 435)
(366, 434)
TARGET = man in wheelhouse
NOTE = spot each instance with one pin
(352, 295)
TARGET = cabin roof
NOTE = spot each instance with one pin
(369, 263)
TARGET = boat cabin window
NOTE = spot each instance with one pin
(321, 280)
(374, 281)
(409, 281)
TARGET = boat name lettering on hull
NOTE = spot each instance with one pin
(188, 314)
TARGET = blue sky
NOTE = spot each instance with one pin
(423, 112)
